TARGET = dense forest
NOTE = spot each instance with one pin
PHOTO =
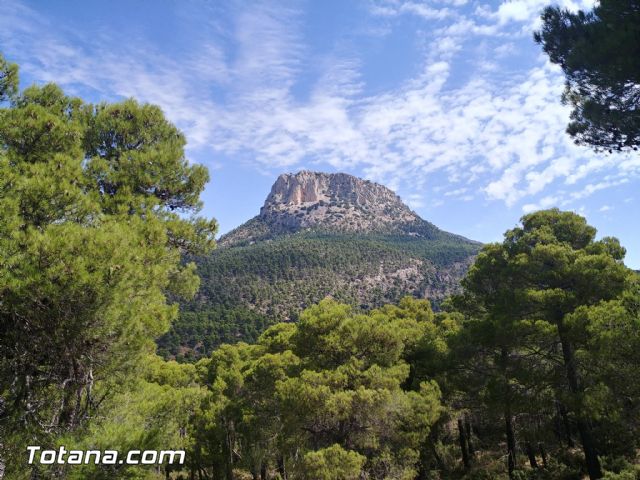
(528, 371)
(246, 288)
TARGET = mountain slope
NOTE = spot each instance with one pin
(316, 235)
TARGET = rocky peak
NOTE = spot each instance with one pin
(307, 187)
(330, 202)
(315, 198)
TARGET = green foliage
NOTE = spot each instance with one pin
(97, 207)
(617, 468)
(598, 51)
(551, 325)
(247, 288)
(330, 387)
(197, 333)
(332, 463)
(8, 79)
(146, 415)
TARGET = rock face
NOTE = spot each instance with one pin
(336, 203)
(305, 187)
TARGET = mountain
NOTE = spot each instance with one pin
(335, 203)
(317, 235)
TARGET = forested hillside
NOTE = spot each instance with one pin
(318, 235)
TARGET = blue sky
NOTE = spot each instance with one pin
(448, 102)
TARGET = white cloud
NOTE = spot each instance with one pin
(546, 202)
(421, 9)
(494, 132)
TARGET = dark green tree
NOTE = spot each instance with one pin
(599, 52)
(97, 207)
(8, 79)
(529, 289)
(490, 345)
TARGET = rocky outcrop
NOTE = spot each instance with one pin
(336, 203)
(307, 187)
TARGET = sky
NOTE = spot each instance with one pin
(448, 102)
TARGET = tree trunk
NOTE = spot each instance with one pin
(229, 447)
(508, 419)
(511, 440)
(566, 424)
(543, 455)
(469, 433)
(589, 448)
(463, 445)
(281, 468)
(586, 437)
(531, 455)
